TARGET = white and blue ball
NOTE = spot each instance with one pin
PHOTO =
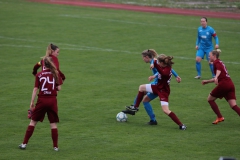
(121, 117)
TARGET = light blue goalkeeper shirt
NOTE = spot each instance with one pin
(204, 37)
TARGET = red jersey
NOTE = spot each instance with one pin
(46, 83)
(54, 60)
(164, 77)
(41, 63)
(219, 65)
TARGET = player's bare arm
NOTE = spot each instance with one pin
(216, 77)
(34, 93)
(207, 81)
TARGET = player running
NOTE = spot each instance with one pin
(225, 87)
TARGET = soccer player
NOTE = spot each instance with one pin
(148, 57)
(52, 51)
(225, 87)
(204, 45)
(162, 89)
(48, 83)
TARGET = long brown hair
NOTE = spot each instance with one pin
(50, 65)
(151, 53)
(167, 60)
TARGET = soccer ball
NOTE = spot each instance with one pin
(121, 117)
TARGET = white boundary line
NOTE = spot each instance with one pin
(137, 23)
(86, 48)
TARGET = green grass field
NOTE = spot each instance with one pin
(100, 54)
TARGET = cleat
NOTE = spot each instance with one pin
(151, 122)
(197, 77)
(129, 112)
(132, 108)
(55, 149)
(129, 106)
(22, 146)
(218, 120)
(183, 127)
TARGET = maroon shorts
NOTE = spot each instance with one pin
(162, 94)
(224, 89)
(46, 105)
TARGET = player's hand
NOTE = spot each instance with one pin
(151, 78)
(30, 111)
(32, 106)
(216, 46)
(178, 79)
(151, 66)
(196, 47)
(216, 81)
(204, 82)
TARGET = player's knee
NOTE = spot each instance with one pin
(53, 125)
(210, 100)
(198, 59)
(167, 112)
(142, 88)
(33, 123)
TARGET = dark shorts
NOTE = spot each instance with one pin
(162, 94)
(224, 89)
(43, 106)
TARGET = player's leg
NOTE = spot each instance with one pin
(163, 96)
(172, 115)
(231, 99)
(146, 102)
(53, 120)
(142, 89)
(199, 57)
(54, 134)
(132, 105)
(234, 106)
(210, 63)
(211, 100)
(37, 115)
(28, 134)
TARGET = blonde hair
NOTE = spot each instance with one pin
(50, 65)
(151, 53)
(167, 60)
(50, 48)
(216, 52)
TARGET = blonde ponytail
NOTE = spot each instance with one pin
(50, 65)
